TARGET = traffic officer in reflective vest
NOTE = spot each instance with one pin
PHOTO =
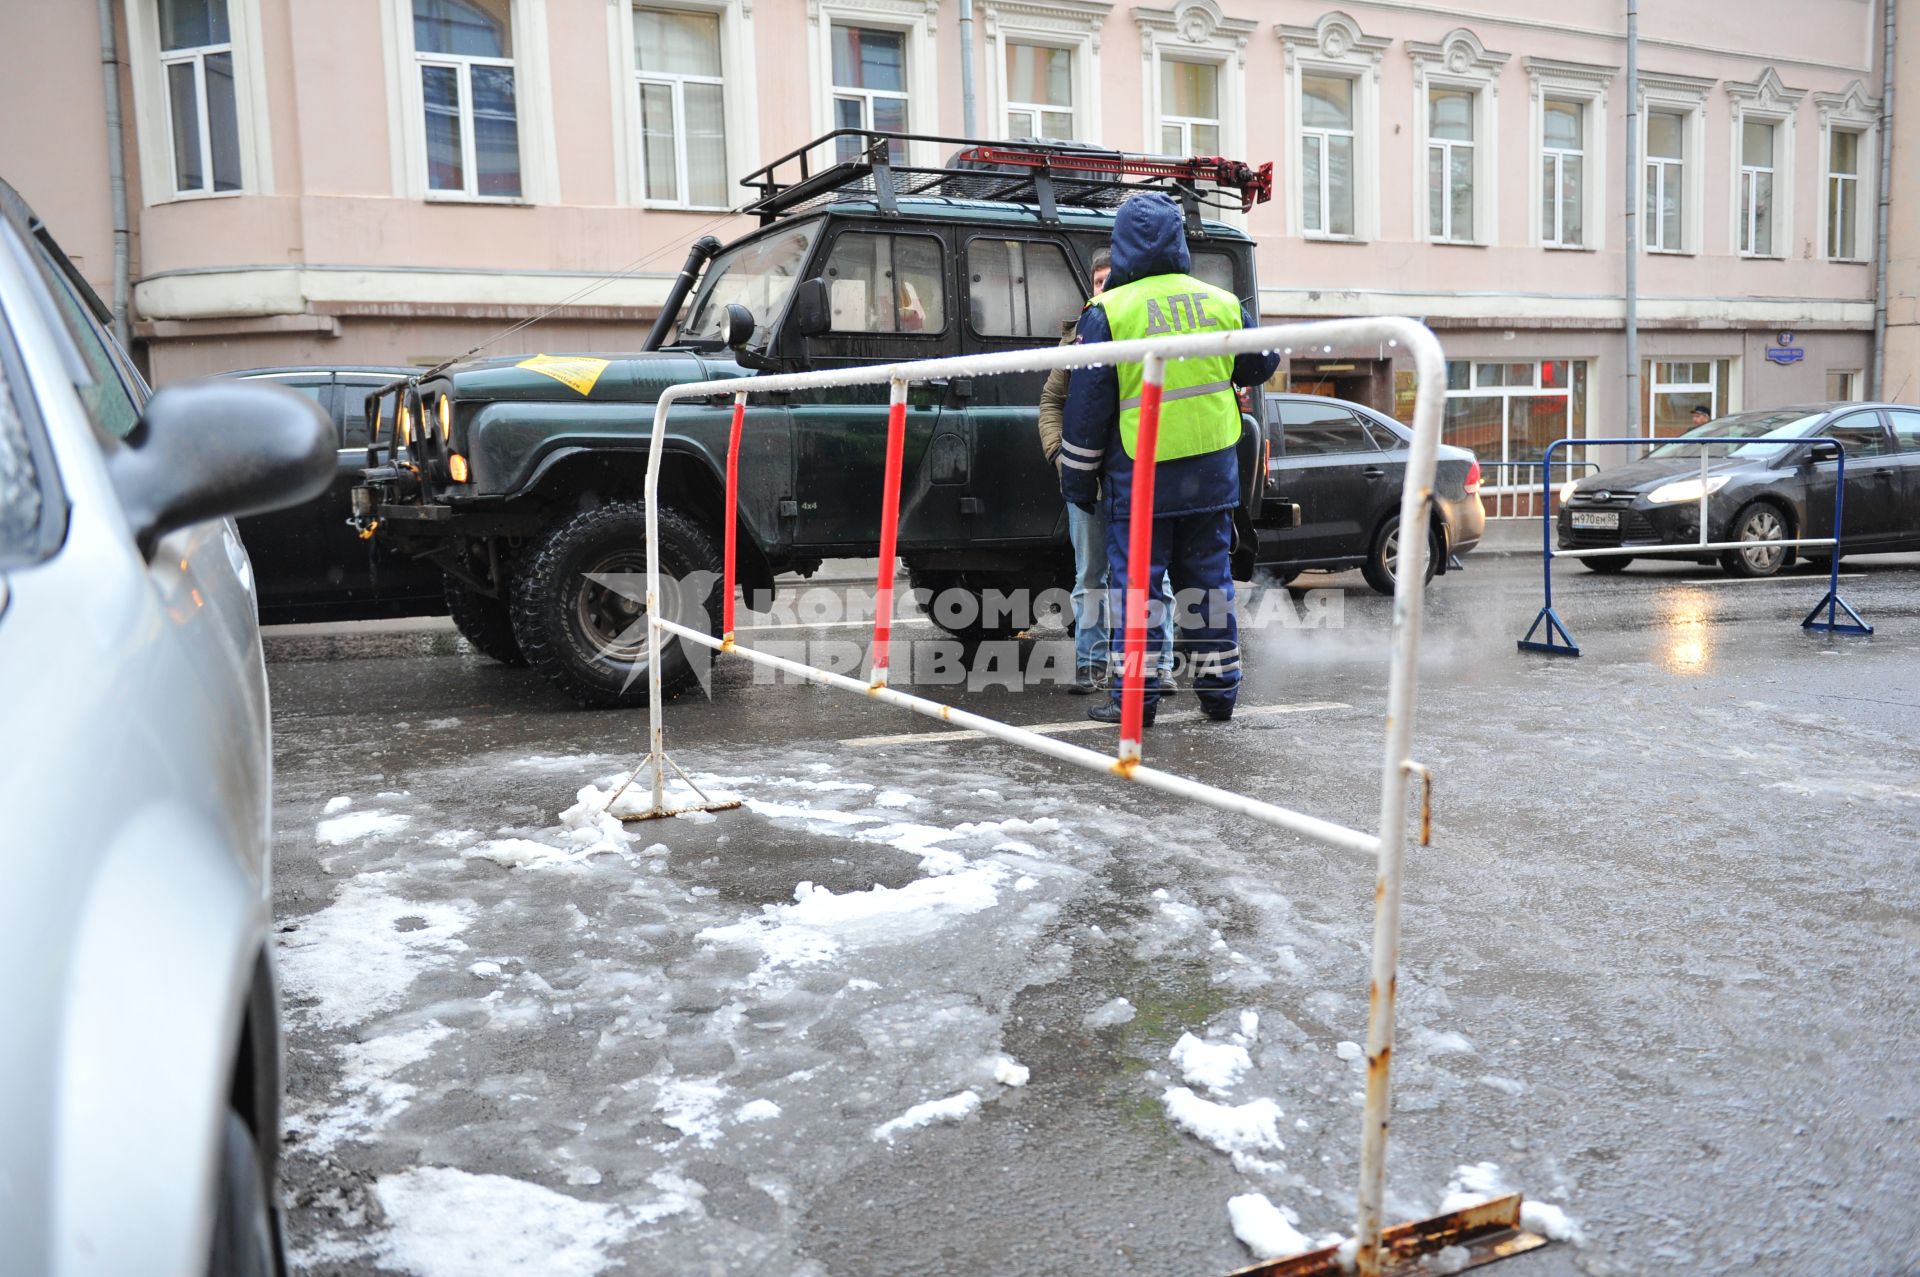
(1196, 483)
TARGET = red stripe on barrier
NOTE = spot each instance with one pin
(733, 507)
(889, 528)
(1133, 669)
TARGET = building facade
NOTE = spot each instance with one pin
(397, 181)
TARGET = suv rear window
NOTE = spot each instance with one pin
(1020, 288)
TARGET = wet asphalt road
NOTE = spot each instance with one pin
(1659, 961)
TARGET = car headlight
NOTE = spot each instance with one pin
(1685, 490)
(1566, 490)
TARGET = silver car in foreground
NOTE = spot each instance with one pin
(139, 1058)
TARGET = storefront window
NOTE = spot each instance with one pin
(1508, 412)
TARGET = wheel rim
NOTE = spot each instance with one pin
(609, 615)
(1393, 555)
(1763, 525)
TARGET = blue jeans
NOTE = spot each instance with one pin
(1091, 630)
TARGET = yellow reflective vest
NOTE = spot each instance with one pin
(1198, 411)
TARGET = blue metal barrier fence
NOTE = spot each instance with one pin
(1832, 603)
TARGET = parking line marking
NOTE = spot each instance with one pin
(1088, 725)
(1763, 580)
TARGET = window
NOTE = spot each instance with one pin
(886, 284)
(1757, 141)
(1020, 288)
(1308, 430)
(1843, 384)
(196, 60)
(1906, 428)
(112, 402)
(758, 274)
(1039, 92)
(1214, 268)
(1563, 174)
(1189, 108)
(1843, 196)
(1672, 388)
(1860, 434)
(463, 50)
(1450, 164)
(683, 133)
(1508, 412)
(1666, 180)
(1326, 154)
(869, 85)
(29, 498)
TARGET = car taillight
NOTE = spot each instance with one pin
(1473, 476)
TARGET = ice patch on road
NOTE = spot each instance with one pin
(1108, 1014)
(1208, 1065)
(525, 853)
(357, 957)
(955, 1108)
(1442, 1042)
(691, 1106)
(1476, 1182)
(444, 1222)
(757, 1111)
(356, 826)
(336, 805)
(820, 924)
(373, 1097)
(1241, 1130)
(1008, 1071)
(1264, 1228)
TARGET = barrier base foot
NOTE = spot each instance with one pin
(1487, 1233)
(662, 809)
(1551, 619)
(1833, 604)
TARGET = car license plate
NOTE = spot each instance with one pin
(1608, 519)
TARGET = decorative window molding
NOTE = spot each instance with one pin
(1550, 78)
(1460, 61)
(1685, 95)
(1335, 46)
(1197, 31)
(914, 18)
(533, 108)
(1849, 111)
(154, 131)
(741, 106)
(1766, 101)
(1074, 25)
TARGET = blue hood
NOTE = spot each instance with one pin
(1149, 238)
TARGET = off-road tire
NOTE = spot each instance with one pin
(1378, 569)
(1764, 517)
(554, 602)
(976, 584)
(485, 622)
(1607, 564)
(243, 1234)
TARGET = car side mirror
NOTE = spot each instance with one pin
(1824, 450)
(736, 326)
(812, 311)
(203, 451)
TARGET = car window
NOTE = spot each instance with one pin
(887, 284)
(23, 489)
(1216, 269)
(1308, 430)
(758, 275)
(1860, 434)
(112, 404)
(1020, 288)
(1906, 428)
(353, 409)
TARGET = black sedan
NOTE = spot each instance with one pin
(309, 562)
(1332, 501)
(1778, 487)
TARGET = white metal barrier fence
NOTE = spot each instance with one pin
(1388, 844)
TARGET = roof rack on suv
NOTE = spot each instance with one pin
(1021, 170)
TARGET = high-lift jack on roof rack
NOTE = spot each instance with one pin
(1045, 174)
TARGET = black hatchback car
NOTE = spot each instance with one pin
(1332, 501)
(1778, 487)
(309, 561)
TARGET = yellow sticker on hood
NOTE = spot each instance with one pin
(577, 371)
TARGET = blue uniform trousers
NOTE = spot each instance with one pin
(1194, 550)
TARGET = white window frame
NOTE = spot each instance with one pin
(1037, 109)
(1335, 46)
(1708, 390)
(154, 131)
(1588, 85)
(1503, 466)
(1073, 25)
(913, 18)
(1850, 111)
(1460, 61)
(1685, 96)
(532, 107)
(1197, 31)
(738, 75)
(1187, 123)
(1856, 385)
(1765, 101)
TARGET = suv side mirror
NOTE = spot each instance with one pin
(1823, 450)
(736, 326)
(811, 313)
(220, 448)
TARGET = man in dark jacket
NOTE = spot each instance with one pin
(1196, 483)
